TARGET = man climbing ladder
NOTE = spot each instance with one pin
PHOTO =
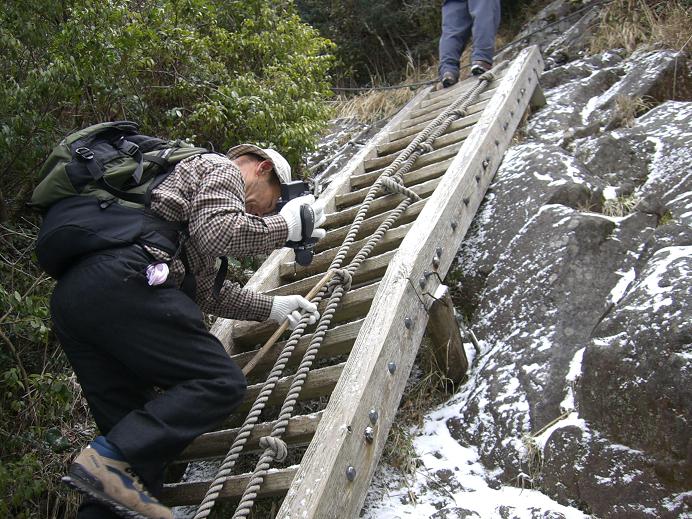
(134, 331)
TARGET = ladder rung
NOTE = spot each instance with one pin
(321, 262)
(299, 431)
(410, 133)
(439, 143)
(442, 141)
(415, 176)
(455, 91)
(276, 483)
(337, 340)
(354, 304)
(369, 225)
(370, 268)
(401, 143)
(425, 159)
(378, 205)
(422, 121)
(319, 382)
(439, 107)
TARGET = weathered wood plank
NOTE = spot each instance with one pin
(336, 236)
(460, 125)
(439, 106)
(411, 178)
(275, 484)
(319, 382)
(383, 162)
(447, 139)
(448, 94)
(380, 204)
(321, 262)
(371, 268)
(320, 488)
(355, 303)
(427, 117)
(443, 330)
(299, 431)
(337, 341)
(416, 175)
(427, 158)
(410, 132)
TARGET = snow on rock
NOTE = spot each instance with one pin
(636, 385)
(583, 96)
(451, 482)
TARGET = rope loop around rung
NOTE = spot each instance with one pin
(277, 446)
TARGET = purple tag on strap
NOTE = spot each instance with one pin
(157, 273)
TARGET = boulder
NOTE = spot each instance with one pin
(584, 97)
(636, 383)
(541, 301)
(605, 479)
(531, 175)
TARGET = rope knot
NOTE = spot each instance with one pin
(276, 445)
(425, 147)
(487, 76)
(391, 184)
(458, 112)
(345, 278)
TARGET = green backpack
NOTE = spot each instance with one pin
(95, 194)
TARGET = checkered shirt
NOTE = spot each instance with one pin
(208, 192)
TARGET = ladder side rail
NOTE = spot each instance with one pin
(336, 470)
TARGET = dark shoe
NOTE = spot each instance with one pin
(449, 79)
(480, 67)
(114, 484)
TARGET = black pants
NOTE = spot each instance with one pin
(123, 338)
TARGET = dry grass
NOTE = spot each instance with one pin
(533, 457)
(374, 105)
(620, 206)
(628, 108)
(629, 24)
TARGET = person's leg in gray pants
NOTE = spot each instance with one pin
(461, 19)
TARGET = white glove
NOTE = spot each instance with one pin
(289, 307)
(291, 213)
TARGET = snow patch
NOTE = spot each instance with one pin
(468, 482)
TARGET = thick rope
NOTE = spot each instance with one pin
(390, 180)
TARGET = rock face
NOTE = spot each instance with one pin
(584, 388)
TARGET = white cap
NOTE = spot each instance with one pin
(281, 165)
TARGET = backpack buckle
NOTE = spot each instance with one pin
(127, 147)
(84, 153)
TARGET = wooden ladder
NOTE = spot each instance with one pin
(366, 358)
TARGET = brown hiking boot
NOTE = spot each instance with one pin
(114, 484)
(480, 67)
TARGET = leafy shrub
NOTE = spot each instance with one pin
(217, 72)
(214, 71)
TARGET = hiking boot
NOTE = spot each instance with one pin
(449, 79)
(480, 67)
(115, 484)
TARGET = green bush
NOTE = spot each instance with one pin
(215, 71)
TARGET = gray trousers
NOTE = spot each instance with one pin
(460, 19)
